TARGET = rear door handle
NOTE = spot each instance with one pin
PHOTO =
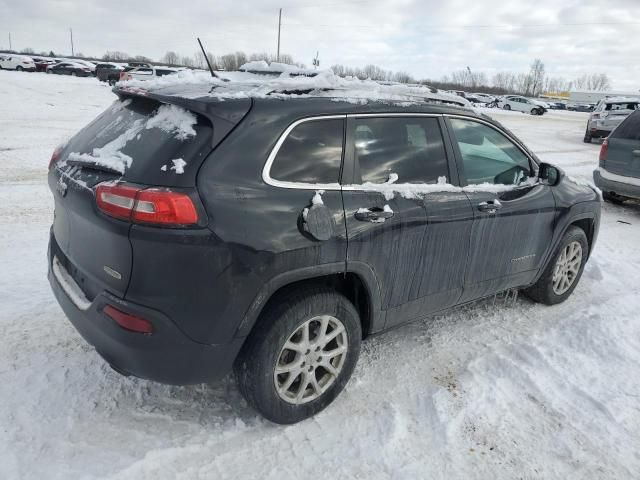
(490, 207)
(373, 215)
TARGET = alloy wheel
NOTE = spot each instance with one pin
(567, 268)
(311, 360)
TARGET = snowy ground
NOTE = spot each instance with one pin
(513, 390)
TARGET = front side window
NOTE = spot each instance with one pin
(488, 155)
(409, 147)
(311, 153)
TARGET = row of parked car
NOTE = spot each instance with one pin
(110, 72)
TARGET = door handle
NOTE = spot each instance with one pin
(490, 207)
(373, 215)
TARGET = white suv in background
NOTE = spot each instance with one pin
(522, 104)
(608, 114)
(147, 73)
(10, 61)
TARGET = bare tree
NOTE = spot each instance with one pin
(28, 51)
(170, 58)
(113, 56)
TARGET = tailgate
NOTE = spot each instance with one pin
(138, 141)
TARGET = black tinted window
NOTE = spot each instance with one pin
(410, 147)
(311, 153)
(629, 129)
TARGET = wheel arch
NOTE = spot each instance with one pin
(358, 283)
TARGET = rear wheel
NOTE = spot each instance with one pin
(19, 68)
(300, 356)
(535, 111)
(563, 273)
(587, 136)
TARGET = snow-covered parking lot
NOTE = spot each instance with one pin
(500, 389)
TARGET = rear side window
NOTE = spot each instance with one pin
(409, 147)
(621, 106)
(629, 129)
(311, 153)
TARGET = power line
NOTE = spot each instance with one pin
(441, 26)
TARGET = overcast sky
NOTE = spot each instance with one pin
(422, 37)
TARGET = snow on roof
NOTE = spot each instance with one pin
(294, 82)
(621, 99)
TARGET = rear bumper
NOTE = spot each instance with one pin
(618, 187)
(167, 355)
(599, 133)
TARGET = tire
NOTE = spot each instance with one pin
(544, 290)
(282, 322)
(535, 111)
(587, 136)
(19, 68)
(74, 74)
(112, 82)
(613, 198)
(506, 106)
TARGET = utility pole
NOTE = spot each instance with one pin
(279, 26)
(71, 34)
(10, 47)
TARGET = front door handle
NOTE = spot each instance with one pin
(373, 215)
(490, 207)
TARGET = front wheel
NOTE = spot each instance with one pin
(563, 273)
(19, 68)
(507, 106)
(535, 111)
(301, 354)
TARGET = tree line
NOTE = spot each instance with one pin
(532, 83)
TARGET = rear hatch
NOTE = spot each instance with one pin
(139, 141)
(623, 154)
(615, 113)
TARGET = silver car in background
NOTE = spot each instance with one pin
(608, 114)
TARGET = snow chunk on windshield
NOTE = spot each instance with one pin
(174, 120)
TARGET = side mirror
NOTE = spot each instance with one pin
(550, 175)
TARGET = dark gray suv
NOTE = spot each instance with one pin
(270, 234)
(618, 175)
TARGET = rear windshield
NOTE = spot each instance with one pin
(629, 129)
(144, 141)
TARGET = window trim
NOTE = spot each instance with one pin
(266, 170)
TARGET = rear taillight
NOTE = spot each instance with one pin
(595, 116)
(155, 206)
(603, 152)
(55, 156)
(127, 321)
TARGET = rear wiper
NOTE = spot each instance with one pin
(93, 166)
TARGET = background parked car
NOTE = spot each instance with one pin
(580, 107)
(67, 68)
(147, 73)
(17, 62)
(104, 70)
(608, 114)
(522, 104)
(618, 175)
(42, 63)
(557, 105)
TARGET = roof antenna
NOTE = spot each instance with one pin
(213, 74)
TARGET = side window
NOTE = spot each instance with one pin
(489, 156)
(311, 153)
(410, 147)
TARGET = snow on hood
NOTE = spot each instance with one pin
(291, 82)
